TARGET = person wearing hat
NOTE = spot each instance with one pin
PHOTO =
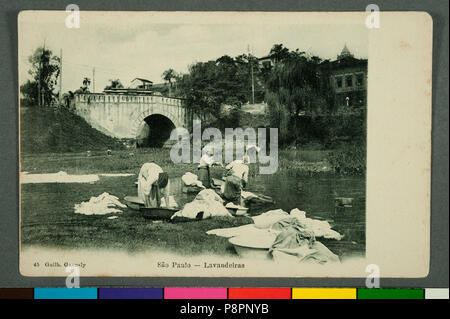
(153, 183)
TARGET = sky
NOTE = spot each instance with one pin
(124, 46)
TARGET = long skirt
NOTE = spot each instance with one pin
(204, 176)
(232, 188)
(152, 198)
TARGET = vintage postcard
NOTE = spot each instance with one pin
(225, 144)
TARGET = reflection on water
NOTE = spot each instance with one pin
(315, 195)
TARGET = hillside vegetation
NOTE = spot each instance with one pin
(48, 130)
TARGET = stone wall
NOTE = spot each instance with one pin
(122, 116)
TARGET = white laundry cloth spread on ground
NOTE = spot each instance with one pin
(265, 220)
(60, 177)
(206, 204)
(320, 228)
(248, 230)
(100, 205)
(63, 177)
(116, 174)
(286, 236)
(190, 179)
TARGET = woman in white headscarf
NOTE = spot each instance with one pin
(153, 183)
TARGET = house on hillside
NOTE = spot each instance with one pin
(266, 61)
(348, 79)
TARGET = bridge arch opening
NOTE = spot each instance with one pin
(154, 131)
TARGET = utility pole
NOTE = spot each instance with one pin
(39, 82)
(60, 74)
(40, 76)
(250, 59)
(41, 92)
(93, 80)
(253, 84)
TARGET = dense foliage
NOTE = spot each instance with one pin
(44, 71)
(211, 84)
(292, 85)
(300, 102)
(295, 87)
(349, 159)
(114, 84)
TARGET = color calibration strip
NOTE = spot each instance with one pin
(222, 293)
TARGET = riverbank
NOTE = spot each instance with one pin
(44, 130)
(130, 161)
(48, 218)
(55, 140)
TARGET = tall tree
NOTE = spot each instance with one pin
(294, 87)
(227, 80)
(279, 52)
(45, 71)
(169, 75)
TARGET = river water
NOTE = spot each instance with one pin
(316, 196)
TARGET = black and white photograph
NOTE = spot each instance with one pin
(193, 144)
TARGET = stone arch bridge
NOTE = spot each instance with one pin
(140, 117)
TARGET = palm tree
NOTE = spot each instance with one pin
(86, 83)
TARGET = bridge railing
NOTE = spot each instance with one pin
(126, 98)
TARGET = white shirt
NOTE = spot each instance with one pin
(239, 169)
(148, 175)
(206, 161)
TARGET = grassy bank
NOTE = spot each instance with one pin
(120, 161)
(58, 140)
(48, 219)
(130, 161)
(44, 130)
(55, 141)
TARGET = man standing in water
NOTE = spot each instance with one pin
(153, 183)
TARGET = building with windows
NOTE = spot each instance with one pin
(348, 79)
